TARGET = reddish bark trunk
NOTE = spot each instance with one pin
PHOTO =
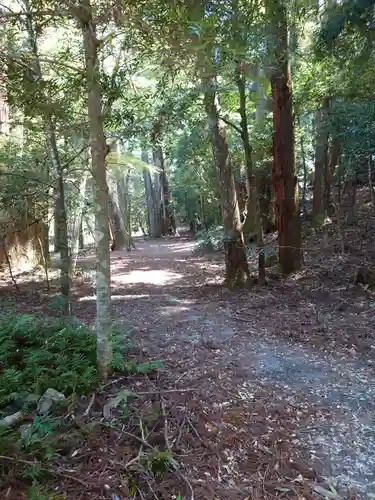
(284, 168)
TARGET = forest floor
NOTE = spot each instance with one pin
(265, 393)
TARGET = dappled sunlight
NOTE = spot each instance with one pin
(116, 297)
(171, 310)
(152, 277)
(173, 247)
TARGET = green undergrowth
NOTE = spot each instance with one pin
(209, 241)
(38, 354)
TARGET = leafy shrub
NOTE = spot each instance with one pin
(209, 241)
(37, 354)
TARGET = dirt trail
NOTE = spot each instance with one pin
(179, 312)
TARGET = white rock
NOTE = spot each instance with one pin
(50, 398)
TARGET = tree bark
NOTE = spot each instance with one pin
(285, 183)
(153, 215)
(160, 163)
(54, 158)
(330, 169)
(372, 199)
(98, 159)
(321, 157)
(253, 222)
(77, 229)
(235, 254)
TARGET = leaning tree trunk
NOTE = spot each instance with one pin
(98, 159)
(284, 167)
(235, 253)
(253, 221)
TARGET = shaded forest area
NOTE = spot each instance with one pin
(187, 266)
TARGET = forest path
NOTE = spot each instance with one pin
(179, 313)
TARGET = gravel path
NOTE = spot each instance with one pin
(177, 307)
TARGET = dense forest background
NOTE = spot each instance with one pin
(247, 125)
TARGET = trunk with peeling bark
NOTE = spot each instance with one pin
(236, 266)
(98, 168)
(284, 176)
(57, 169)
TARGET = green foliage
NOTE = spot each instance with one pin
(37, 354)
(159, 462)
(209, 241)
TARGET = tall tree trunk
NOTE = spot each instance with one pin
(302, 146)
(81, 239)
(160, 163)
(264, 172)
(330, 169)
(153, 214)
(253, 221)
(321, 157)
(77, 228)
(119, 237)
(372, 198)
(54, 158)
(284, 167)
(164, 188)
(98, 168)
(235, 253)
(124, 207)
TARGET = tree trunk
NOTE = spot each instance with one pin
(321, 157)
(119, 237)
(81, 240)
(164, 188)
(285, 183)
(98, 168)
(77, 229)
(235, 254)
(330, 169)
(56, 227)
(54, 158)
(153, 217)
(302, 146)
(253, 221)
(370, 181)
(160, 163)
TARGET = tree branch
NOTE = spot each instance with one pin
(231, 124)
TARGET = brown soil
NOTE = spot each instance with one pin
(273, 392)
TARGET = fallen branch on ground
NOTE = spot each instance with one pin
(45, 469)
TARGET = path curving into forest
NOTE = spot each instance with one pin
(179, 312)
